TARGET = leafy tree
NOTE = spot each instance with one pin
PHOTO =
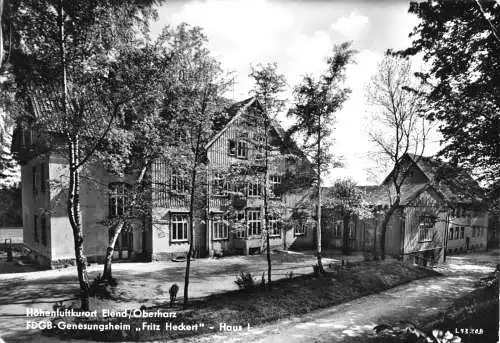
(138, 137)
(348, 200)
(268, 85)
(316, 101)
(62, 54)
(398, 127)
(194, 102)
(460, 42)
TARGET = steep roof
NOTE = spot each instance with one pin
(234, 111)
(454, 183)
(379, 196)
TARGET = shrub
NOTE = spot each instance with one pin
(105, 289)
(490, 281)
(245, 281)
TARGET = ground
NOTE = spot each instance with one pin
(354, 321)
(339, 323)
(145, 283)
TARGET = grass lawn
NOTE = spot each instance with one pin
(288, 297)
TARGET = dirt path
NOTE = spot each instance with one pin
(354, 321)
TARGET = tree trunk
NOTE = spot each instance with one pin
(318, 210)
(191, 234)
(74, 215)
(266, 202)
(345, 235)
(107, 274)
(385, 224)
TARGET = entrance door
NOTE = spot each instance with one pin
(124, 245)
(467, 241)
(200, 241)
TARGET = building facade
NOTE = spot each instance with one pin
(164, 233)
(441, 212)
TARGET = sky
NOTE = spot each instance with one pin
(298, 35)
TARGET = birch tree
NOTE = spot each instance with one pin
(268, 86)
(316, 102)
(62, 58)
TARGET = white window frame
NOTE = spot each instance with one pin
(241, 149)
(274, 225)
(117, 201)
(254, 223)
(274, 182)
(254, 189)
(230, 151)
(338, 228)
(178, 184)
(300, 229)
(351, 230)
(220, 228)
(426, 229)
(220, 187)
(240, 233)
(179, 225)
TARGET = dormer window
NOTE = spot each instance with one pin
(242, 151)
(238, 148)
(232, 147)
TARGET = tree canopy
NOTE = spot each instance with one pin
(460, 42)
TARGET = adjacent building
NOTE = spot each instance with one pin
(441, 212)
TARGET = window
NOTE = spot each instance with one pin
(426, 225)
(352, 230)
(275, 182)
(42, 178)
(43, 225)
(474, 231)
(337, 229)
(240, 218)
(220, 228)
(254, 190)
(457, 232)
(274, 227)
(178, 184)
(450, 237)
(253, 223)
(242, 151)
(219, 185)
(179, 227)
(117, 199)
(462, 232)
(232, 147)
(300, 229)
(35, 176)
(35, 228)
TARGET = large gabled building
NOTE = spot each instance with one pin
(164, 234)
(442, 211)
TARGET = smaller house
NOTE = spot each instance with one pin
(441, 211)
